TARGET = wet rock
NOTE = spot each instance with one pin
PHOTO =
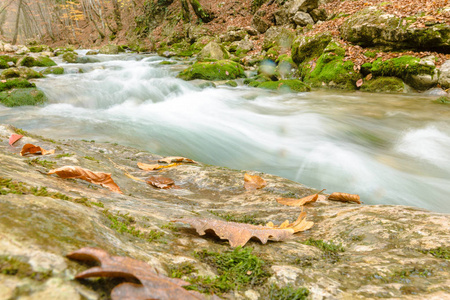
(384, 85)
(435, 92)
(444, 74)
(213, 50)
(218, 70)
(70, 57)
(22, 97)
(23, 72)
(109, 49)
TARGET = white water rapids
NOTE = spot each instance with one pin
(389, 149)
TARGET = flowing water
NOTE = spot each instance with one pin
(390, 149)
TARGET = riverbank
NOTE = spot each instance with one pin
(351, 251)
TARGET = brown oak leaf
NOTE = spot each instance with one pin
(14, 138)
(344, 197)
(161, 182)
(178, 159)
(299, 202)
(32, 149)
(149, 167)
(104, 179)
(299, 225)
(152, 285)
(238, 234)
(253, 182)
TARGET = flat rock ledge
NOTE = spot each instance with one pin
(389, 251)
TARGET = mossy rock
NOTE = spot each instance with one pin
(9, 58)
(92, 52)
(109, 49)
(26, 61)
(384, 85)
(54, 71)
(22, 96)
(15, 83)
(3, 64)
(306, 48)
(87, 60)
(231, 83)
(36, 49)
(291, 85)
(401, 67)
(218, 70)
(70, 57)
(22, 72)
(442, 100)
(44, 61)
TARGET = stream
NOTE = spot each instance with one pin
(389, 149)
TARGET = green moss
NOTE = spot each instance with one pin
(306, 48)
(286, 293)
(9, 58)
(15, 84)
(23, 72)
(167, 62)
(44, 163)
(231, 83)
(27, 61)
(384, 85)
(181, 270)
(3, 64)
(54, 70)
(21, 97)
(44, 61)
(171, 227)
(26, 133)
(91, 158)
(273, 53)
(250, 219)
(70, 57)
(237, 269)
(442, 100)
(440, 252)
(330, 249)
(218, 70)
(290, 85)
(16, 267)
(401, 67)
(370, 54)
(36, 49)
(64, 155)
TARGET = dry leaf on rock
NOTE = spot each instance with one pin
(299, 202)
(14, 138)
(32, 149)
(177, 159)
(152, 167)
(161, 182)
(238, 234)
(253, 182)
(104, 179)
(299, 225)
(343, 197)
(152, 285)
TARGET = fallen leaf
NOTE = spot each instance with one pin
(299, 202)
(368, 77)
(238, 234)
(343, 197)
(178, 159)
(299, 225)
(161, 182)
(32, 149)
(359, 82)
(103, 179)
(152, 285)
(253, 182)
(148, 167)
(14, 138)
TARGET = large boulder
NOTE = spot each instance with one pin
(22, 96)
(305, 47)
(260, 24)
(278, 36)
(384, 85)
(217, 70)
(287, 12)
(444, 74)
(302, 19)
(109, 49)
(22, 72)
(372, 27)
(213, 51)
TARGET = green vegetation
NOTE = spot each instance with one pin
(64, 155)
(44, 163)
(330, 249)
(400, 67)
(171, 227)
(15, 267)
(286, 293)
(70, 57)
(231, 83)
(217, 70)
(26, 133)
(403, 276)
(91, 158)
(384, 85)
(307, 48)
(237, 269)
(442, 100)
(54, 71)
(23, 96)
(249, 219)
(440, 252)
(44, 61)
(15, 83)
(182, 270)
(288, 85)
(124, 223)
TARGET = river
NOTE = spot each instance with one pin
(389, 149)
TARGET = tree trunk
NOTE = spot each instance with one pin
(185, 11)
(16, 27)
(201, 13)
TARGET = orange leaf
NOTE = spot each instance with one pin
(179, 159)
(32, 149)
(343, 197)
(103, 179)
(151, 284)
(148, 167)
(299, 225)
(299, 202)
(161, 182)
(14, 138)
(253, 182)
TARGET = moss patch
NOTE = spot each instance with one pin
(44, 61)
(20, 97)
(70, 57)
(250, 219)
(306, 48)
(401, 67)
(54, 70)
(289, 85)
(218, 70)
(286, 293)
(15, 83)
(15, 267)
(384, 85)
(442, 100)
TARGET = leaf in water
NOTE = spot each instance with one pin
(14, 138)
(148, 167)
(299, 225)
(32, 149)
(238, 234)
(299, 202)
(161, 182)
(178, 159)
(343, 197)
(253, 182)
(152, 285)
(104, 179)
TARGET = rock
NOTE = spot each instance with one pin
(109, 49)
(444, 74)
(70, 57)
(384, 85)
(435, 92)
(44, 61)
(302, 19)
(372, 27)
(305, 47)
(260, 24)
(278, 36)
(295, 6)
(9, 48)
(213, 51)
(288, 85)
(218, 70)
(26, 61)
(243, 46)
(92, 52)
(234, 35)
(23, 72)
(15, 83)
(54, 71)
(318, 14)
(251, 31)
(22, 96)
(21, 50)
